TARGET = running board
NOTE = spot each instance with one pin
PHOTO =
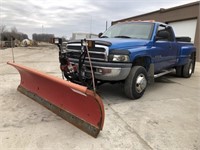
(163, 73)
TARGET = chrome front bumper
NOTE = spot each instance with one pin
(107, 71)
(111, 74)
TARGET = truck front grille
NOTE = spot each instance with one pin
(64, 45)
(99, 53)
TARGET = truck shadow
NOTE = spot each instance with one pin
(114, 93)
(169, 78)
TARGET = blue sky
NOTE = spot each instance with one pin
(63, 17)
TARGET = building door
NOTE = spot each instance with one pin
(185, 28)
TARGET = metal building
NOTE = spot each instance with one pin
(185, 20)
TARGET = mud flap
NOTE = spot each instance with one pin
(74, 103)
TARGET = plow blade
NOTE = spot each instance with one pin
(74, 103)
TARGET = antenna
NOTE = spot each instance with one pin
(91, 25)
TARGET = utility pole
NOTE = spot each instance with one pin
(42, 29)
(12, 43)
(43, 38)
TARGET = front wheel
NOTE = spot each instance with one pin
(136, 82)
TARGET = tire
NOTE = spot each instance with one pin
(136, 82)
(179, 71)
(188, 69)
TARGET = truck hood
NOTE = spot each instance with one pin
(119, 43)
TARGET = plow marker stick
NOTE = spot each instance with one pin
(74, 103)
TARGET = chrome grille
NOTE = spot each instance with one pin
(100, 52)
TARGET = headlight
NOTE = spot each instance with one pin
(119, 58)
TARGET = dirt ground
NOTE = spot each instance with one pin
(167, 117)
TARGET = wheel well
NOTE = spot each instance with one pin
(142, 61)
(193, 56)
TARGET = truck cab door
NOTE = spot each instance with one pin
(165, 50)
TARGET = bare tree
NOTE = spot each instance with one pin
(14, 33)
(14, 30)
(42, 37)
(2, 30)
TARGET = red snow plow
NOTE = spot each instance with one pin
(75, 103)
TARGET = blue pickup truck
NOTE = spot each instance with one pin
(133, 53)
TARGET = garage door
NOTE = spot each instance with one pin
(185, 28)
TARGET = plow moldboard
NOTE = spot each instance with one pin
(74, 103)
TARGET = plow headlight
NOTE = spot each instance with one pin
(119, 58)
(57, 40)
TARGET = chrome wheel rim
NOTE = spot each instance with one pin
(141, 83)
(190, 69)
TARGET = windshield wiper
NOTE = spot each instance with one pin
(104, 36)
(121, 36)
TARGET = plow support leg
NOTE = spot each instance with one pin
(74, 103)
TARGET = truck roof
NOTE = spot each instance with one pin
(143, 21)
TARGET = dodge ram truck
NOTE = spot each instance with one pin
(133, 53)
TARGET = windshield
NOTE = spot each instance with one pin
(136, 30)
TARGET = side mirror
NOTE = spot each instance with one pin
(162, 35)
(100, 34)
